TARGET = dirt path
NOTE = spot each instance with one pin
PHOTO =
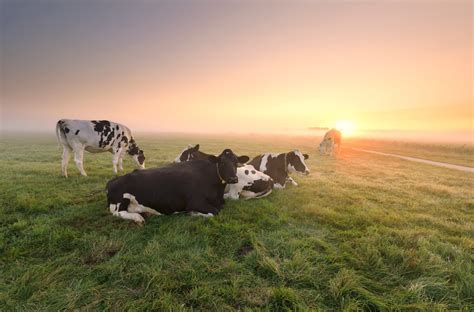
(421, 160)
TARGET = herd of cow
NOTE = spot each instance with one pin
(195, 182)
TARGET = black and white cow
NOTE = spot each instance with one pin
(96, 136)
(194, 186)
(330, 140)
(278, 166)
(252, 183)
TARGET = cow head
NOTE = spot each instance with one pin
(227, 163)
(295, 161)
(136, 153)
(189, 153)
(325, 146)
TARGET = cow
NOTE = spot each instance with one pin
(252, 183)
(193, 187)
(278, 166)
(330, 140)
(96, 136)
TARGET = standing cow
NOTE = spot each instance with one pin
(252, 183)
(278, 166)
(330, 140)
(96, 136)
(193, 186)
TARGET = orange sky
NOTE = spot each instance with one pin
(238, 67)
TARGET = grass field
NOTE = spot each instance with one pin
(457, 154)
(362, 232)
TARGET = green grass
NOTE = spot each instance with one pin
(362, 232)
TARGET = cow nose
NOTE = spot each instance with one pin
(233, 180)
(306, 172)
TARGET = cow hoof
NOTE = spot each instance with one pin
(199, 214)
(151, 212)
(138, 219)
(156, 213)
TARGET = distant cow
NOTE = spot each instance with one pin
(96, 136)
(252, 183)
(194, 186)
(278, 166)
(330, 140)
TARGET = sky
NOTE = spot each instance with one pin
(238, 66)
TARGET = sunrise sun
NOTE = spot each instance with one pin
(347, 127)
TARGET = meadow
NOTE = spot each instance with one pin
(362, 232)
(454, 153)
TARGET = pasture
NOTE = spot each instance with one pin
(362, 232)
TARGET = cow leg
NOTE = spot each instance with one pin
(280, 181)
(263, 194)
(290, 179)
(120, 162)
(135, 206)
(79, 158)
(135, 217)
(115, 160)
(201, 207)
(65, 160)
(204, 215)
(121, 210)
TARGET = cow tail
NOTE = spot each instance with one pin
(60, 133)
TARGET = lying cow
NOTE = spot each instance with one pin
(194, 186)
(252, 183)
(96, 136)
(330, 140)
(278, 166)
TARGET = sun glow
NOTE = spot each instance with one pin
(347, 127)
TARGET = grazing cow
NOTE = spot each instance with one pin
(96, 136)
(194, 186)
(278, 166)
(252, 183)
(331, 139)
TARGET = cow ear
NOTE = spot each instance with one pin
(306, 156)
(196, 148)
(243, 159)
(212, 159)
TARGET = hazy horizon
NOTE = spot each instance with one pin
(392, 68)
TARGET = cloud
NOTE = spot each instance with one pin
(318, 128)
